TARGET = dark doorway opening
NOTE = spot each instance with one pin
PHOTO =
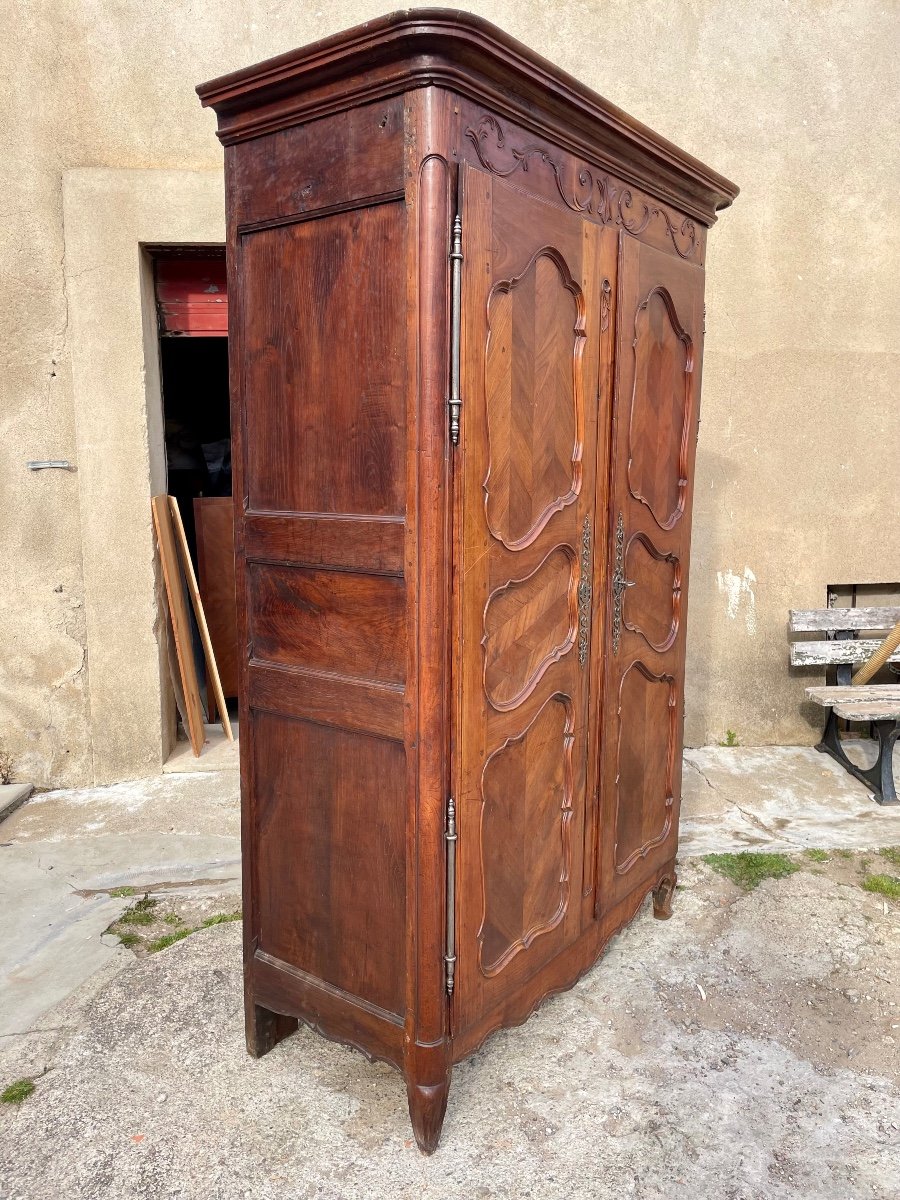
(192, 313)
(197, 422)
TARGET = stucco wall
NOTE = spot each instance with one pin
(801, 425)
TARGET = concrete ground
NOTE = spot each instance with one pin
(749, 1048)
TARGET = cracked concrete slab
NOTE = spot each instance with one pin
(63, 852)
(777, 798)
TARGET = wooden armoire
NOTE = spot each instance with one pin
(466, 332)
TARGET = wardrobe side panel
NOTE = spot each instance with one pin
(318, 228)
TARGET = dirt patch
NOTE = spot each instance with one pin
(156, 921)
(811, 960)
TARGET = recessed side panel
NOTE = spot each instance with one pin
(325, 326)
(331, 856)
(342, 621)
(346, 156)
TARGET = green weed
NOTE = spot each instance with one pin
(750, 869)
(883, 885)
(222, 919)
(169, 939)
(17, 1092)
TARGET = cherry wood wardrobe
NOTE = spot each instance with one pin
(466, 332)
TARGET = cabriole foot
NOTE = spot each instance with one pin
(662, 897)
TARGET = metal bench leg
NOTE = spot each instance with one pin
(886, 790)
(831, 743)
(880, 777)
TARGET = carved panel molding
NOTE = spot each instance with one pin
(527, 787)
(533, 395)
(644, 779)
(529, 624)
(660, 409)
(594, 192)
(652, 607)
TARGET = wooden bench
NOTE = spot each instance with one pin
(877, 705)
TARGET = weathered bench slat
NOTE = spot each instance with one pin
(821, 654)
(826, 696)
(874, 710)
(815, 620)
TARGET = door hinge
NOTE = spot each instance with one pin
(454, 401)
(451, 838)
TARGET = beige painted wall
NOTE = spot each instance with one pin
(801, 426)
(108, 216)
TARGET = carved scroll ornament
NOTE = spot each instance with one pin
(594, 192)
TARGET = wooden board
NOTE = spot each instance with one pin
(212, 671)
(872, 710)
(827, 696)
(818, 620)
(823, 654)
(181, 623)
(214, 526)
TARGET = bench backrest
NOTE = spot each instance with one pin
(814, 620)
(837, 651)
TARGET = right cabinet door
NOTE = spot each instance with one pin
(659, 323)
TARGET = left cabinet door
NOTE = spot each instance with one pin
(321, 357)
(525, 512)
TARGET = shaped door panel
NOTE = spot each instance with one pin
(533, 397)
(529, 624)
(652, 605)
(526, 847)
(660, 408)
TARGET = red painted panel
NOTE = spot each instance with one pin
(192, 296)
